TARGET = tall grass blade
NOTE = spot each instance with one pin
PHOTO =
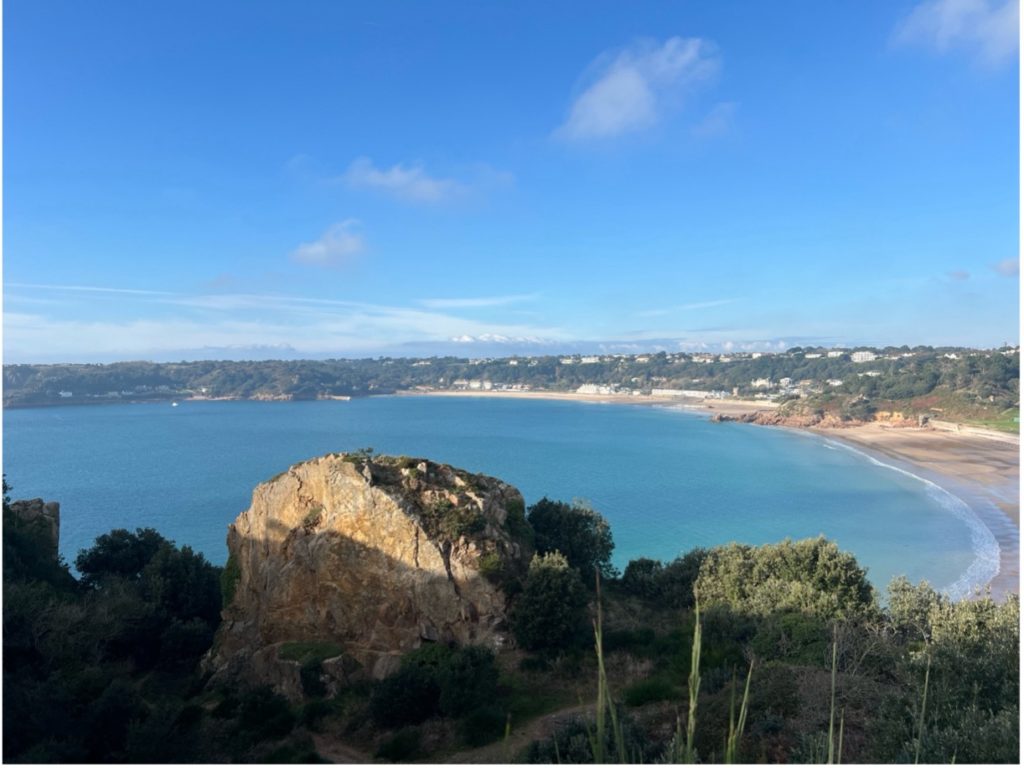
(924, 703)
(842, 717)
(832, 705)
(694, 688)
(736, 732)
(605, 705)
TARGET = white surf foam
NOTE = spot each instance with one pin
(985, 566)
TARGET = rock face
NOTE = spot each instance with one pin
(776, 419)
(45, 514)
(370, 555)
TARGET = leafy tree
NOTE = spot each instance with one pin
(118, 553)
(549, 613)
(581, 534)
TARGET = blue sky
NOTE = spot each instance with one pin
(237, 179)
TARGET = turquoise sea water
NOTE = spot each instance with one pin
(667, 480)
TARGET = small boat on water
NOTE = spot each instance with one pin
(174, 404)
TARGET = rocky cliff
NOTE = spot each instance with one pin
(371, 557)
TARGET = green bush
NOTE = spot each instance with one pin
(551, 610)
(809, 576)
(483, 725)
(641, 578)
(580, 534)
(468, 680)
(651, 689)
(408, 697)
(403, 747)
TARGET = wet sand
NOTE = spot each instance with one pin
(982, 471)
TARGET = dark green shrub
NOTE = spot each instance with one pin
(265, 714)
(580, 534)
(468, 679)
(551, 610)
(403, 747)
(651, 689)
(483, 725)
(793, 637)
(642, 578)
(408, 697)
(310, 675)
(313, 712)
(119, 553)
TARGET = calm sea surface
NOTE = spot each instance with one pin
(667, 480)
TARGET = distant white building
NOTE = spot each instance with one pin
(595, 389)
(590, 359)
(812, 355)
(643, 359)
(755, 355)
(836, 352)
(835, 382)
(567, 361)
(863, 356)
(761, 383)
(65, 393)
(513, 362)
(785, 381)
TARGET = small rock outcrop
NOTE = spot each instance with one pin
(776, 419)
(43, 514)
(370, 556)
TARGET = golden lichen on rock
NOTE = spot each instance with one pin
(376, 554)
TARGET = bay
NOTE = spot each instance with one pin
(667, 480)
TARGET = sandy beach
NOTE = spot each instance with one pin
(980, 467)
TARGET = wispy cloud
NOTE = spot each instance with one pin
(473, 303)
(959, 275)
(630, 90)
(88, 289)
(987, 30)
(1007, 267)
(146, 324)
(406, 182)
(663, 311)
(337, 246)
(718, 121)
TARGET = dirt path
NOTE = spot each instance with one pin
(334, 751)
(505, 750)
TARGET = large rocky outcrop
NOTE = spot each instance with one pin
(371, 557)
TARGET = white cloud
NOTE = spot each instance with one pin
(406, 182)
(685, 307)
(988, 30)
(718, 121)
(483, 301)
(1008, 267)
(631, 90)
(138, 325)
(337, 246)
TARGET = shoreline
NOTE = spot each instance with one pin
(980, 468)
